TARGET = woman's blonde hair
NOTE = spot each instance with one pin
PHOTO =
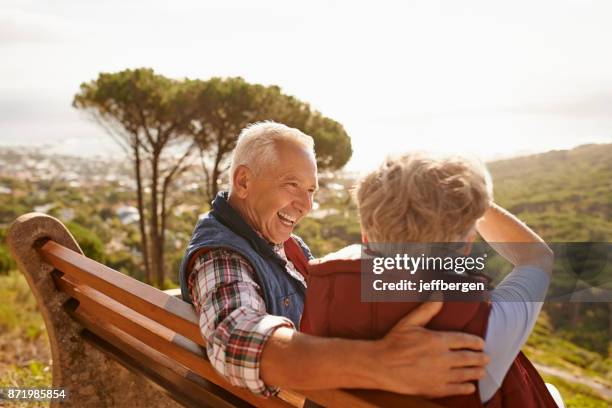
(417, 197)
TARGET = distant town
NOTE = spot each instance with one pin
(35, 165)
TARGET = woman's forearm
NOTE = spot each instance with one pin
(513, 239)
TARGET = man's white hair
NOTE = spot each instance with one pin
(257, 144)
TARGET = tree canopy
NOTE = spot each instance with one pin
(160, 122)
(227, 105)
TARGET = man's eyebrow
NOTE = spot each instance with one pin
(289, 177)
(292, 177)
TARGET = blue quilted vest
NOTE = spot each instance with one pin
(223, 227)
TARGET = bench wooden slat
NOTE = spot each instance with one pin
(145, 299)
(71, 286)
(94, 304)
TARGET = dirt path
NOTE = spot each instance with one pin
(601, 389)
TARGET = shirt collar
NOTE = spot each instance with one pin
(227, 215)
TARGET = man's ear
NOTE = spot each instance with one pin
(241, 181)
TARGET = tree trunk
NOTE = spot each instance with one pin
(168, 180)
(214, 183)
(609, 320)
(154, 221)
(164, 218)
(216, 172)
(144, 245)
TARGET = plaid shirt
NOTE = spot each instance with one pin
(233, 317)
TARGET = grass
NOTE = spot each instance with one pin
(25, 359)
(36, 374)
(18, 311)
(546, 348)
(576, 395)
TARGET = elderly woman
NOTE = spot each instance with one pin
(244, 271)
(418, 198)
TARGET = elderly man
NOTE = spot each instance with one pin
(244, 272)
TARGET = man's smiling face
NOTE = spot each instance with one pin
(277, 198)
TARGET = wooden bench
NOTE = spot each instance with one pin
(117, 342)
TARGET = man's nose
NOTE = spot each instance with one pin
(305, 202)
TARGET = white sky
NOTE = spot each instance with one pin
(491, 78)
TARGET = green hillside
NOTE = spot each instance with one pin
(565, 195)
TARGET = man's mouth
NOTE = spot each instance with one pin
(286, 219)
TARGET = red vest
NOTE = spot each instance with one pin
(333, 308)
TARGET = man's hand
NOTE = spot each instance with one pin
(413, 360)
(409, 359)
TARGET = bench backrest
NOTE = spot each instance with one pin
(158, 335)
